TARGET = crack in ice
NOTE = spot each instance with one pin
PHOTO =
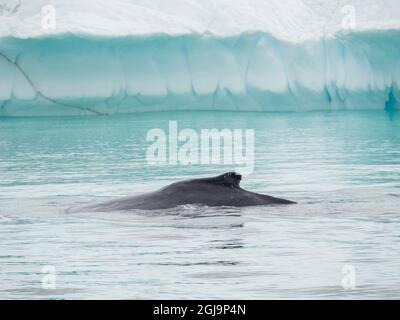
(40, 94)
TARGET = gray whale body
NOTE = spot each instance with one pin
(222, 190)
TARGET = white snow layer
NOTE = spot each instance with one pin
(292, 20)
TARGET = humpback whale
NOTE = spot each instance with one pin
(222, 190)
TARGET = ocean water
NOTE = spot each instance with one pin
(342, 239)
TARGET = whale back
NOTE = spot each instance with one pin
(221, 190)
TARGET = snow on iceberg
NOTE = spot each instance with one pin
(205, 55)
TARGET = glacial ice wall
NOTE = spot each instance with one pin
(125, 56)
(73, 75)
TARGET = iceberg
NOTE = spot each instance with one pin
(124, 56)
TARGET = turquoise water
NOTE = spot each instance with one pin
(342, 168)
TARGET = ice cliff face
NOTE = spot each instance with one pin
(108, 57)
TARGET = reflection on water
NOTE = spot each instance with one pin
(342, 168)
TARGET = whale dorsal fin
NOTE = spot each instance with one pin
(229, 179)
